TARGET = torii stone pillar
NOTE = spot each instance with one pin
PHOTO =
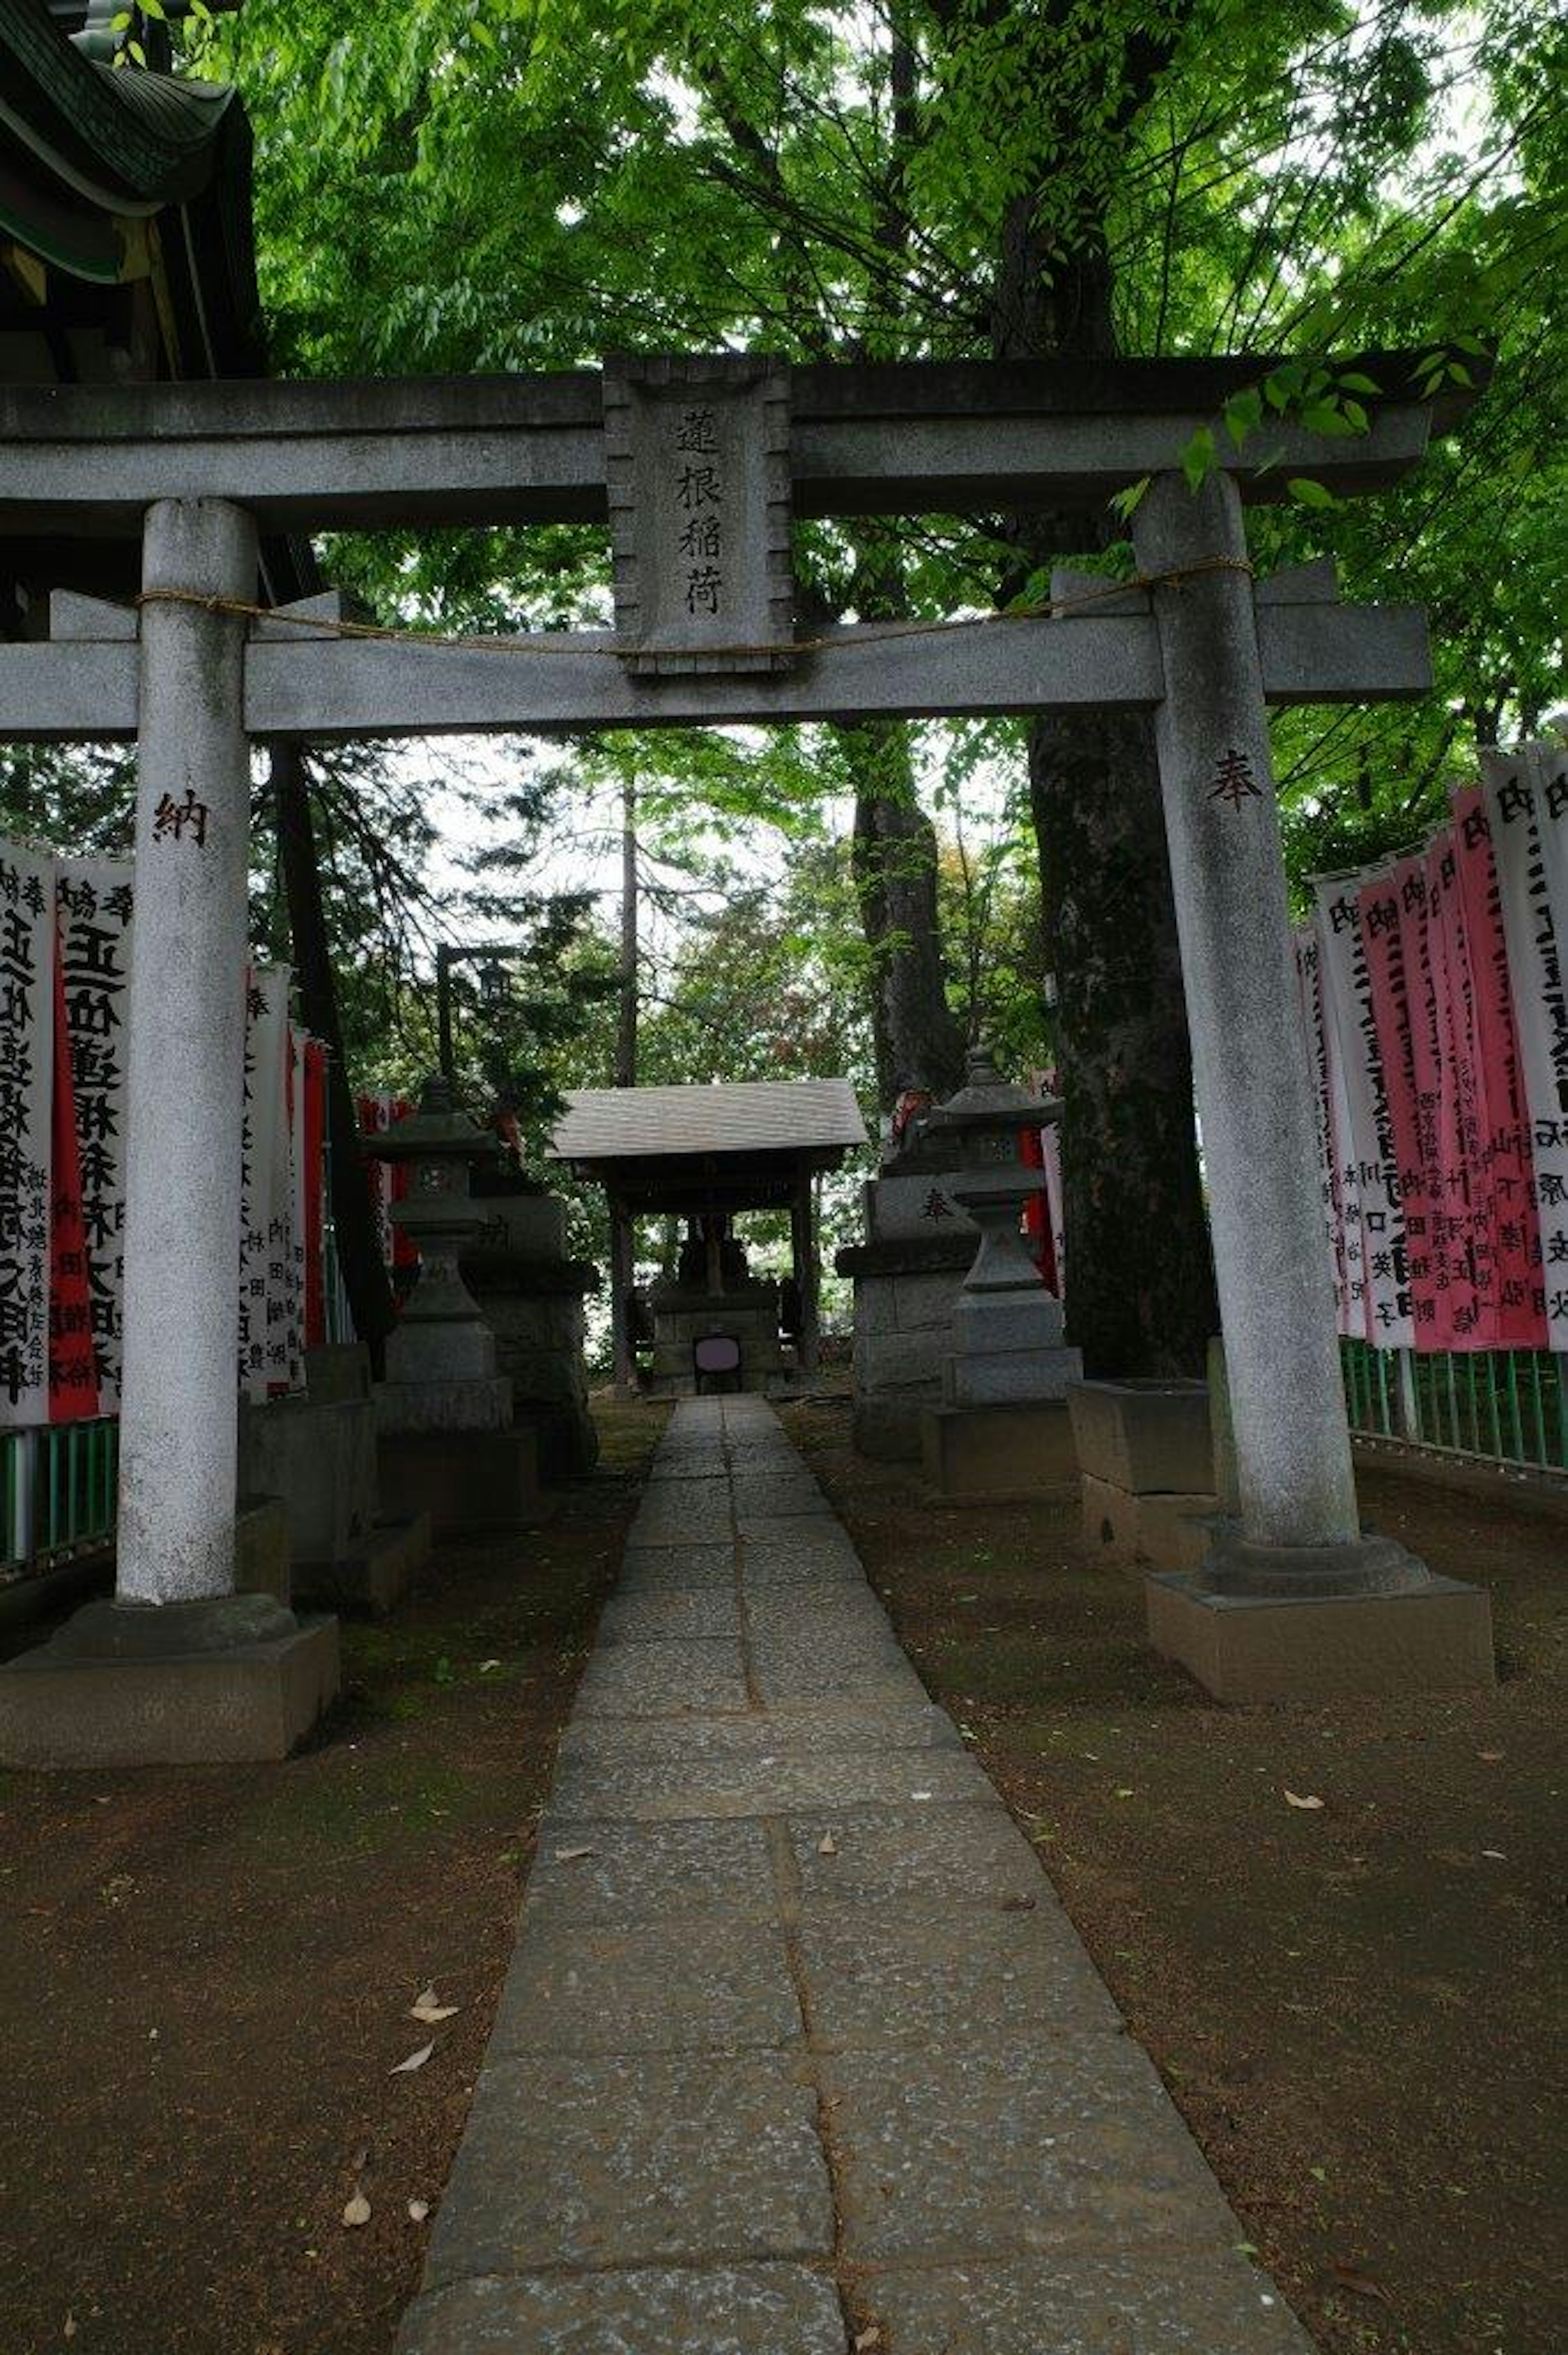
(1297, 1601)
(185, 1066)
(179, 1667)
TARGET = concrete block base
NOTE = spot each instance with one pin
(83, 1700)
(1154, 1532)
(1436, 1637)
(467, 1482)
(367, 1583)
(1145, 1436)
(986, 1453)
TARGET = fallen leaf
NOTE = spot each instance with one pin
(486, 1667)
(69, 2330)
(358, 2210)
(1496, 1855)
(418, 2210)
(428, 2007)
(361, 2160)
(572, 1855)
(1293, 1800)
(865, 2338)
(415, 2061)
(1018, 1904)
(1349, 2278)
(827, 1845)
(1492, 1757)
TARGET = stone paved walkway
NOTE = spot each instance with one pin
(798, 2043)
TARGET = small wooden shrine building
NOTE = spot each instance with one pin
(705, 1154)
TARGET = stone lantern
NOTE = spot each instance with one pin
(1007, 1327)
(1002, 1429)
(440, 1359)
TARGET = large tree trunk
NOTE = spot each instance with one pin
(358, 1251)
(1140, 1291)
(919, 1039)
(1140, 1296)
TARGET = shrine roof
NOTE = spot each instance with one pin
(744, 1117)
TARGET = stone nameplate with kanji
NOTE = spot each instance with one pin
(697, 470)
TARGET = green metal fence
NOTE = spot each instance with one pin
(57, 1493)
(1494, 1406)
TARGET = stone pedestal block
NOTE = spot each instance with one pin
(453, 1403)
(1144, 1436)
(369, 1580)
(319, 1456)
(986, 1452)
(1434, 1637)
(531, 1297)
(906, 1279)
(1157, 1531)
(1005, 1377)
(468, 1482)
(227, 1682)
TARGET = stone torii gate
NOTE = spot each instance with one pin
(700, 467)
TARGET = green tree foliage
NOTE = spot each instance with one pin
(525, 187)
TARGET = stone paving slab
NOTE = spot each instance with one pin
(671, 1613)
(795, 2027)
(720, 1985)
(642, 1872)
(676, 1790)
(639, 2159)
(1097, 2304)
(740, 2310)
(789, 1674)
(646, 1567)
(1028, 2147)
(676, 1519)
(662, 1679)
(758, 1498)
(773, 1566)
(978, 1979)
(907, 1723)
(912, 1861)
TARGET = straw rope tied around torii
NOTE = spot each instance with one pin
(1042, 609)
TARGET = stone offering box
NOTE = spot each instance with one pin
(1145, 1460)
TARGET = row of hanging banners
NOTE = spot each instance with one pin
(1435, 997)
(66, 934)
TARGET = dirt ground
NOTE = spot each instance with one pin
(205, 1977)
(1357, 2005)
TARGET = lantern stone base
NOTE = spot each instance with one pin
(470, 1482)
(368, 1582)
(233, 1680)
(1155, 1529)
(1252, 1651)
(985, 1453)
(452, 1406)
